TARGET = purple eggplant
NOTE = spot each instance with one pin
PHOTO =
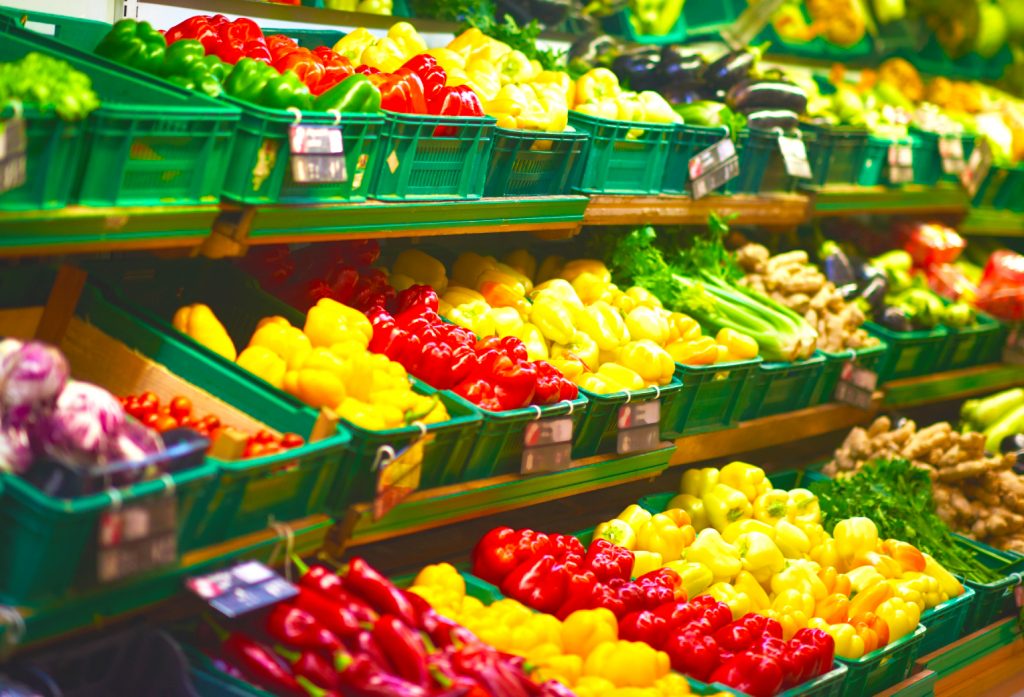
(838, 267)
(731, 68)
(896, 319)
(773, 120)
(679, 68)
(873, 292)
(638, 69)
(755, 95)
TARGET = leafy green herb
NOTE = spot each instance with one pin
(898, 497)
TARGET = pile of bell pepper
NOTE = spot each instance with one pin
(327, 363)
(356, 633)
(583, 651)
(764, 550)
(602, 338)
(598, 93)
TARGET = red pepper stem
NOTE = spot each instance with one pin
(222, 634)
(342, 661)
(443, 680)
(302, 566)
(427, 643)
(291, 656)
(309, 687)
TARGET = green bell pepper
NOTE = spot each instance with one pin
(285, 91)
(218, 68)
(182, 56)
(248, 79)
(136, 44)
(712, 114)
(354, 94)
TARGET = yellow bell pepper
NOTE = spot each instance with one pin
(557, 289)
(695, 577)
(947, 583)
(597, 84)
(824, 553)
(627, 663)
(772, 506)
(584, 630)
(682, 327)
(278, 335)
(734, 530)
(864, 577)
(616, 531)
(468, 40)
(264, 363)
(456, 295)
(791, 621)
(848, 643)
(604, 325)
(604, 108)
(855, 536)
(536, 345)
(422, 268)
(694, 508)
(522, 261)
(715, 553)
(316, 387)
(803, 507)
(660, 534)
(726, 505)
(407, 38)
(698, 482)
(447, 58)
(739, 345)
(559, 80)
(672, 685)
(554, 319)
(645, 561)
(565, 668)
(746, 583)
(593, 686)
(794, 602)
(515, 67)
(739, 602)
(760, 555)
(833, 608)
(801, 576)
(571, 269)
(589, 287)
(745, 478)
(621, 375)
(901, 617)
(792, 541)
(506, 320)
(385, 54)
(648, 323)
(329, 322)
(649, 360)
(635, 516)
(354, 43)
(580, 346)
(199, 322)
(475, 316)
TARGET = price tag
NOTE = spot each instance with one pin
(794, 155)
(901, 163)
(242, 588)
(547, 445)
(318, 154)
(137, 538)
(712, 168)
(12, 153)
(399, 476)
(977, 167)
(951, 149)
(1013, 352)
(639, 427)
(856, 386)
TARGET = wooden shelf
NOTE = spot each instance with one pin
(955, 384)
(988, 222)
(836, 201)
(779, 211)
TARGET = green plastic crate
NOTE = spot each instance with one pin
(415, 164)
(710, 398)
(599, 429)
(686, 142)
(50, 544)
(977, 345)
(499, 443)
(881, 669)
(869, 357)
(81, 33)
(992, 601)
(835, 153)
(621, 157)
(308, 38)
(910, 354)
(1010, 195)
(53, 152)
(708, 19)
(762, 169)
(872, 167)
(148, 144)
(782, 387)
(945, 622)
(261, 171)
(967, 145)
(927, 163)
(532, 163)
(620, 24)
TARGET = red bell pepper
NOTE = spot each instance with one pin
(735, 636)
(579, 592)
(752, 673)
(303, 63)
(539, 583)
(380, 593)
(257, 50)
(280, 45)
(432, 75)
(822, 643)
(607, 560)
(241, 29)
(417, 298)
(400, 93)
(655, 594)
(368, 70)
(644, 626)
(679, 613)
(692, 653)
(298, 629)
(495, 556)
(716, 613)
(499, 383)
(460, 100)
(199, 28)
(336, 68)
(552, 386)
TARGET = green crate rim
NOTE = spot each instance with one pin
(394, 117)
(780, 366)
(879, 654)
(615, 123)
(530, 413)
(523, 134)
(683, 369)
(856, 353)
(891, 337)
(647, 394)
(965, 598)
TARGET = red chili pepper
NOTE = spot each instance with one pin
(382, 595)
(644, 626)
(360, 677)
(607, 560)
(299, 629)
(432, 75)
(752, 673)
(403, 647)
(332, 615)
(692, 653)
(258, 664)
(324, 582)
(312, 666)
(539, 583)
(496, 674)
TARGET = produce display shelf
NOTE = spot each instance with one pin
(991, 222)
(955, 384)
(780, 211)
(84, 229)
(95, 608)
(433, 508)
(941, 200)
(955, 657)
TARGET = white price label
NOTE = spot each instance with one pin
(317, 154)
(712, 168)
(977, 167)
(794, 155)
(547, 445)
(901, 163)
(136, 538)
(13, 161)
(951, 149)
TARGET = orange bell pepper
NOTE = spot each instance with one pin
(833, 608)
(868, 599)
(906, 555)
(834, 581)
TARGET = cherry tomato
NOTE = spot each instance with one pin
(148, 397)
(180, 406)
(165, 423)
(150, 419)
(188, 421)
(292, 440)
(265, 436)
(253, 449)
(211, 421)
(272, 448)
